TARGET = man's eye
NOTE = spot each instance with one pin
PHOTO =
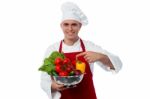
(74, 24)
(66, 24)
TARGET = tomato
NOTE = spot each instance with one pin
(63, 73)
(58, 68)
(71, 66)
(66, 61)
(58, 61)
(68, 69)
(74, 63)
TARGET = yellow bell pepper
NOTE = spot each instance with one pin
(80, 66)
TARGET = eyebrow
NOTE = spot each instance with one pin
(70, 24)
(65, 23)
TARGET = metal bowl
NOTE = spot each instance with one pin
(68, 80)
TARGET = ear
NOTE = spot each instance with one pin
(80, 25)
(61, 24)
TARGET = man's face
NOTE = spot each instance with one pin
(70, 28)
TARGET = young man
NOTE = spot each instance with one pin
(73, 46)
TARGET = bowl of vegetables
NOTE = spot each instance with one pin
(68, 80)
(63, 70)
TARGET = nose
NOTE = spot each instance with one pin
(70, 28)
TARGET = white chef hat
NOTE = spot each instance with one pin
(72, 11)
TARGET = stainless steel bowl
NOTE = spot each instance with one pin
(68, 80)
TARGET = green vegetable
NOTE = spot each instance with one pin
(71, 73)
(54, 73)
(48, 64)
(47, 68)
(47, 61)
(54, 55)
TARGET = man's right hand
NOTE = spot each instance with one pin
(57, 87)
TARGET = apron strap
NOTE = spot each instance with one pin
(82, 45)
(60, 46)
(81, 42)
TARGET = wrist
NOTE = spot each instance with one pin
(105, 60)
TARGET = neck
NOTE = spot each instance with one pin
(70, 41)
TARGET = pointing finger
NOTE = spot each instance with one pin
(81, 54)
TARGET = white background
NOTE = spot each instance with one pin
(28, 27)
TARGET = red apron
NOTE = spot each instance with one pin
(85, 89)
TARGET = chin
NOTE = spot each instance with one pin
(72, 38)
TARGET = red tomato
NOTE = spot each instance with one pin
(63, 73)
(74, 62)
(71, 66)
(69, 69)
(58, 68)
(66, 61)
(58, 61)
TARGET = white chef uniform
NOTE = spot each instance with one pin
(89, 46)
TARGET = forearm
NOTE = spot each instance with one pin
(106, 61)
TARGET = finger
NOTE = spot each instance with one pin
(90, 61)
(86, 56)
(86, 59)
(81, 54)
(61, 89)
(60, 86)
(64, 88)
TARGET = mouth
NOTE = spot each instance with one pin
(71, 33)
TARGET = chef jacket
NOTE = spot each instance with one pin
(89, 46)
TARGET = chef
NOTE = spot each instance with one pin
(74, 47)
